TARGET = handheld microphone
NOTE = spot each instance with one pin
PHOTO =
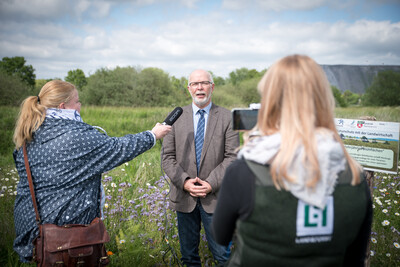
(173, 116)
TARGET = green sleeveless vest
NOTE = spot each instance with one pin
(284, 231)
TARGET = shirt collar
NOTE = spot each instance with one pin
(206, 109)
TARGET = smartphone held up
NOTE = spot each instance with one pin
(244, 119)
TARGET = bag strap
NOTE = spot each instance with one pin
(31, 188)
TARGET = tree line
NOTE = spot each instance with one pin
(137, 87)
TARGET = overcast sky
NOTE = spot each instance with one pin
(178, 36)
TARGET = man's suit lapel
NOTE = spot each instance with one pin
(188, 130)
(211, 124)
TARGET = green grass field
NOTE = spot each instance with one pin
(143, 231)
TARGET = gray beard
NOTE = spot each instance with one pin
(201, 103)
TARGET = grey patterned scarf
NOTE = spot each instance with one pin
(330, 157)
(68, 114)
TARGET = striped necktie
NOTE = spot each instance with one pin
(199, 139)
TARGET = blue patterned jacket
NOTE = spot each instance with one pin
(67, 159)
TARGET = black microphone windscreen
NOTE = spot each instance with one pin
(173, 116)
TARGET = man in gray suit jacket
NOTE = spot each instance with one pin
(196, 182)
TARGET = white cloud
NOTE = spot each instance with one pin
(274, 5)
(216, 42)
(80, 7)
(35, 9)
(44, 10)
(289, 4)
(225, 45)
(100, 9)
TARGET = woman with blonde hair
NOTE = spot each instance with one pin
(66, 158)
(295, 196)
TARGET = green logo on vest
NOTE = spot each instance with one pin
(313, 224)
(315, 216)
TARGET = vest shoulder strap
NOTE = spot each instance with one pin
(262, 173)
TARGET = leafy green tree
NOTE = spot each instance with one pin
(180, 89)
(351, 98)
(12, 89)
(129, 87)
(243, 74)
(218, 80)
(76, 77)
(226, 96)
(155, 88)
(338, 97)
(240, 89)
(247, 91)
(384, 90)
(15, 66)
(111, 87)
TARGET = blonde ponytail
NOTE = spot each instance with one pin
(33, 109)
(30, 117)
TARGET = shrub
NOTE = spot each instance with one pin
(12, 89)
(384, 90)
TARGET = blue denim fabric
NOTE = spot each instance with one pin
(189, 226)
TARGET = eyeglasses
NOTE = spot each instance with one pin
(203, 83)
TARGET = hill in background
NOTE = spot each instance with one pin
(355, 78)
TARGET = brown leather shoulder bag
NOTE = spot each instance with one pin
(68, 245)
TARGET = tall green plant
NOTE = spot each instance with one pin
(340, 102)
(111, 87)
(131, 87)
(351, 98)
(15, 66)
(242, 74)
(76, 77)
(154, 86)
(12, 89)
(384, 90)
(247, 90)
